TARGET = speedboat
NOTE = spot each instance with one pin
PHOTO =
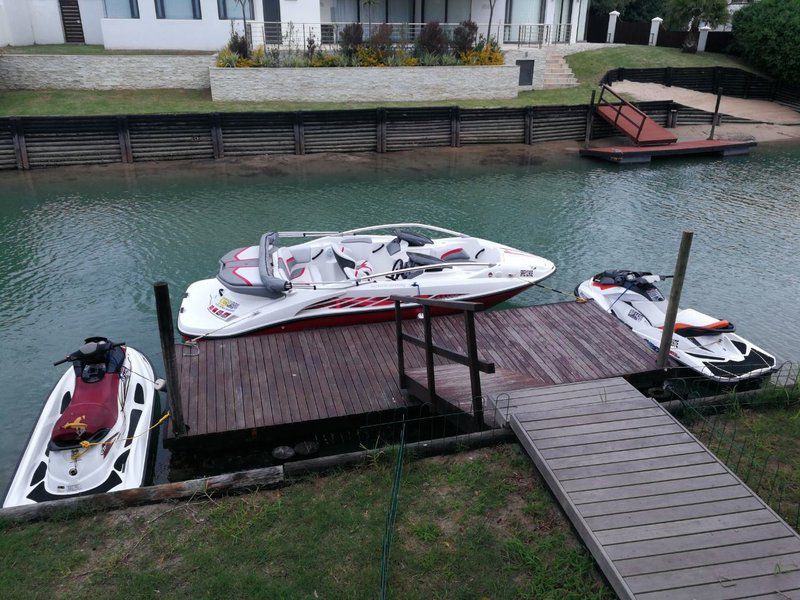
(339, 278)
(703, 343)
(94, 434)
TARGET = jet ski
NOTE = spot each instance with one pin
(703, 343)
(339, 278)
(94, 434)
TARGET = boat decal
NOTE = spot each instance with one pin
(38, 474)
(40, 494)
(135, 416)
(368, 302)
(235, 271)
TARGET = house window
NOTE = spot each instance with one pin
(121, 9)
(178, 9)
(230, 9)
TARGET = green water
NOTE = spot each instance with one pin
(81, 248)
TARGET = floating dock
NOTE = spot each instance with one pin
(333, 378)
(643, 154)
(663, 517)
(650, 139)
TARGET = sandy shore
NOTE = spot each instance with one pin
(405, 163)
(756, 110)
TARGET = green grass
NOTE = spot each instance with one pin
(474, 525)
(82, 49)
(589, 67)
(760, 441)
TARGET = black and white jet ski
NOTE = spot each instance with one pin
(94, 432)
(349, 277)
(701, 342)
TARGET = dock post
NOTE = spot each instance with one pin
(166, 334)
(715, 118)
(589, 120)
(674, 299)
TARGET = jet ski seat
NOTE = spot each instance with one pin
(91, 413)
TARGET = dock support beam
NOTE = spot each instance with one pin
(674, 299)
(166, 334)
(589, 120)
(715, 118)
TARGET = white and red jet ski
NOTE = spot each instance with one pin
(94, 432)
(703, 343)
(349, 277)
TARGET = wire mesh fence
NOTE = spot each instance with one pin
(752, 432)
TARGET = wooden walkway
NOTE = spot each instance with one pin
(315, 377)
(662, 516)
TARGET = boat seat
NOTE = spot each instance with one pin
(454, 253)
(91, 413)
(352, 267)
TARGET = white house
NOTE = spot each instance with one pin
(206, 24)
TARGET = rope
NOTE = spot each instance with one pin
(578, 299)
(391, 515)
(88, 444)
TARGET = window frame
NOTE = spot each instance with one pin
(134, 5)
(196, 11)
(222, 11)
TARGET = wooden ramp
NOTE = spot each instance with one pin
(662, 516)
(636, 125)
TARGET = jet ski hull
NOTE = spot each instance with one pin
(700, 342)
(46, 473)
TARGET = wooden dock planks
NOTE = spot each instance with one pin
(312, 376)
(663, 517)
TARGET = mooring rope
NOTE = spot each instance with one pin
(391, 514)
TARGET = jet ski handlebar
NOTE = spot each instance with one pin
(92, 346)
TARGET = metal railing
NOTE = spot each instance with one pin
(290, 35)
(327, 35)
(622, 103)
(470, 359)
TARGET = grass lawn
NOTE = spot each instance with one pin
(761, 446)
(87, 49)
(587, 66)
(479, 524)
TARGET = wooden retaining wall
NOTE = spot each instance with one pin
(733, 82)
(35, 142)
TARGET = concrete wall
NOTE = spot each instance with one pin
(364, 84)
(32, 72)
(45, 18)
(147, 32)
(91, 16)
(15, 23)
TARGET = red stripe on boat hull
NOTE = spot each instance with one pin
(377, 316)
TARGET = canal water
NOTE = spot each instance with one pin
(80, 248)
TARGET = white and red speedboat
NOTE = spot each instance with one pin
(349, 277)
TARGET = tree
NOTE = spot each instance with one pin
(369, 4)
(491, 14)
(603, 7)
(763, 34)
(642, 11)
(685, 14)
(243, 4)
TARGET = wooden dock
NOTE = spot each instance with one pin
(328, 378)
(662, 516)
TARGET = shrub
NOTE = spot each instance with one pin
(329, 60)
(262, 58)
(380, 41)
(762, 33)
(311, 48)
(367, 57)
(227, 58)
(350, 38)
(238, 44)
(464, 37)
(431, 39)
(485, 52)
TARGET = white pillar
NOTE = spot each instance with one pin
(575, 21)
(655, 25)
(550, 19)
(703, 38)
(612, 26)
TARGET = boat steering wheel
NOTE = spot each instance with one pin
(398, 264)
